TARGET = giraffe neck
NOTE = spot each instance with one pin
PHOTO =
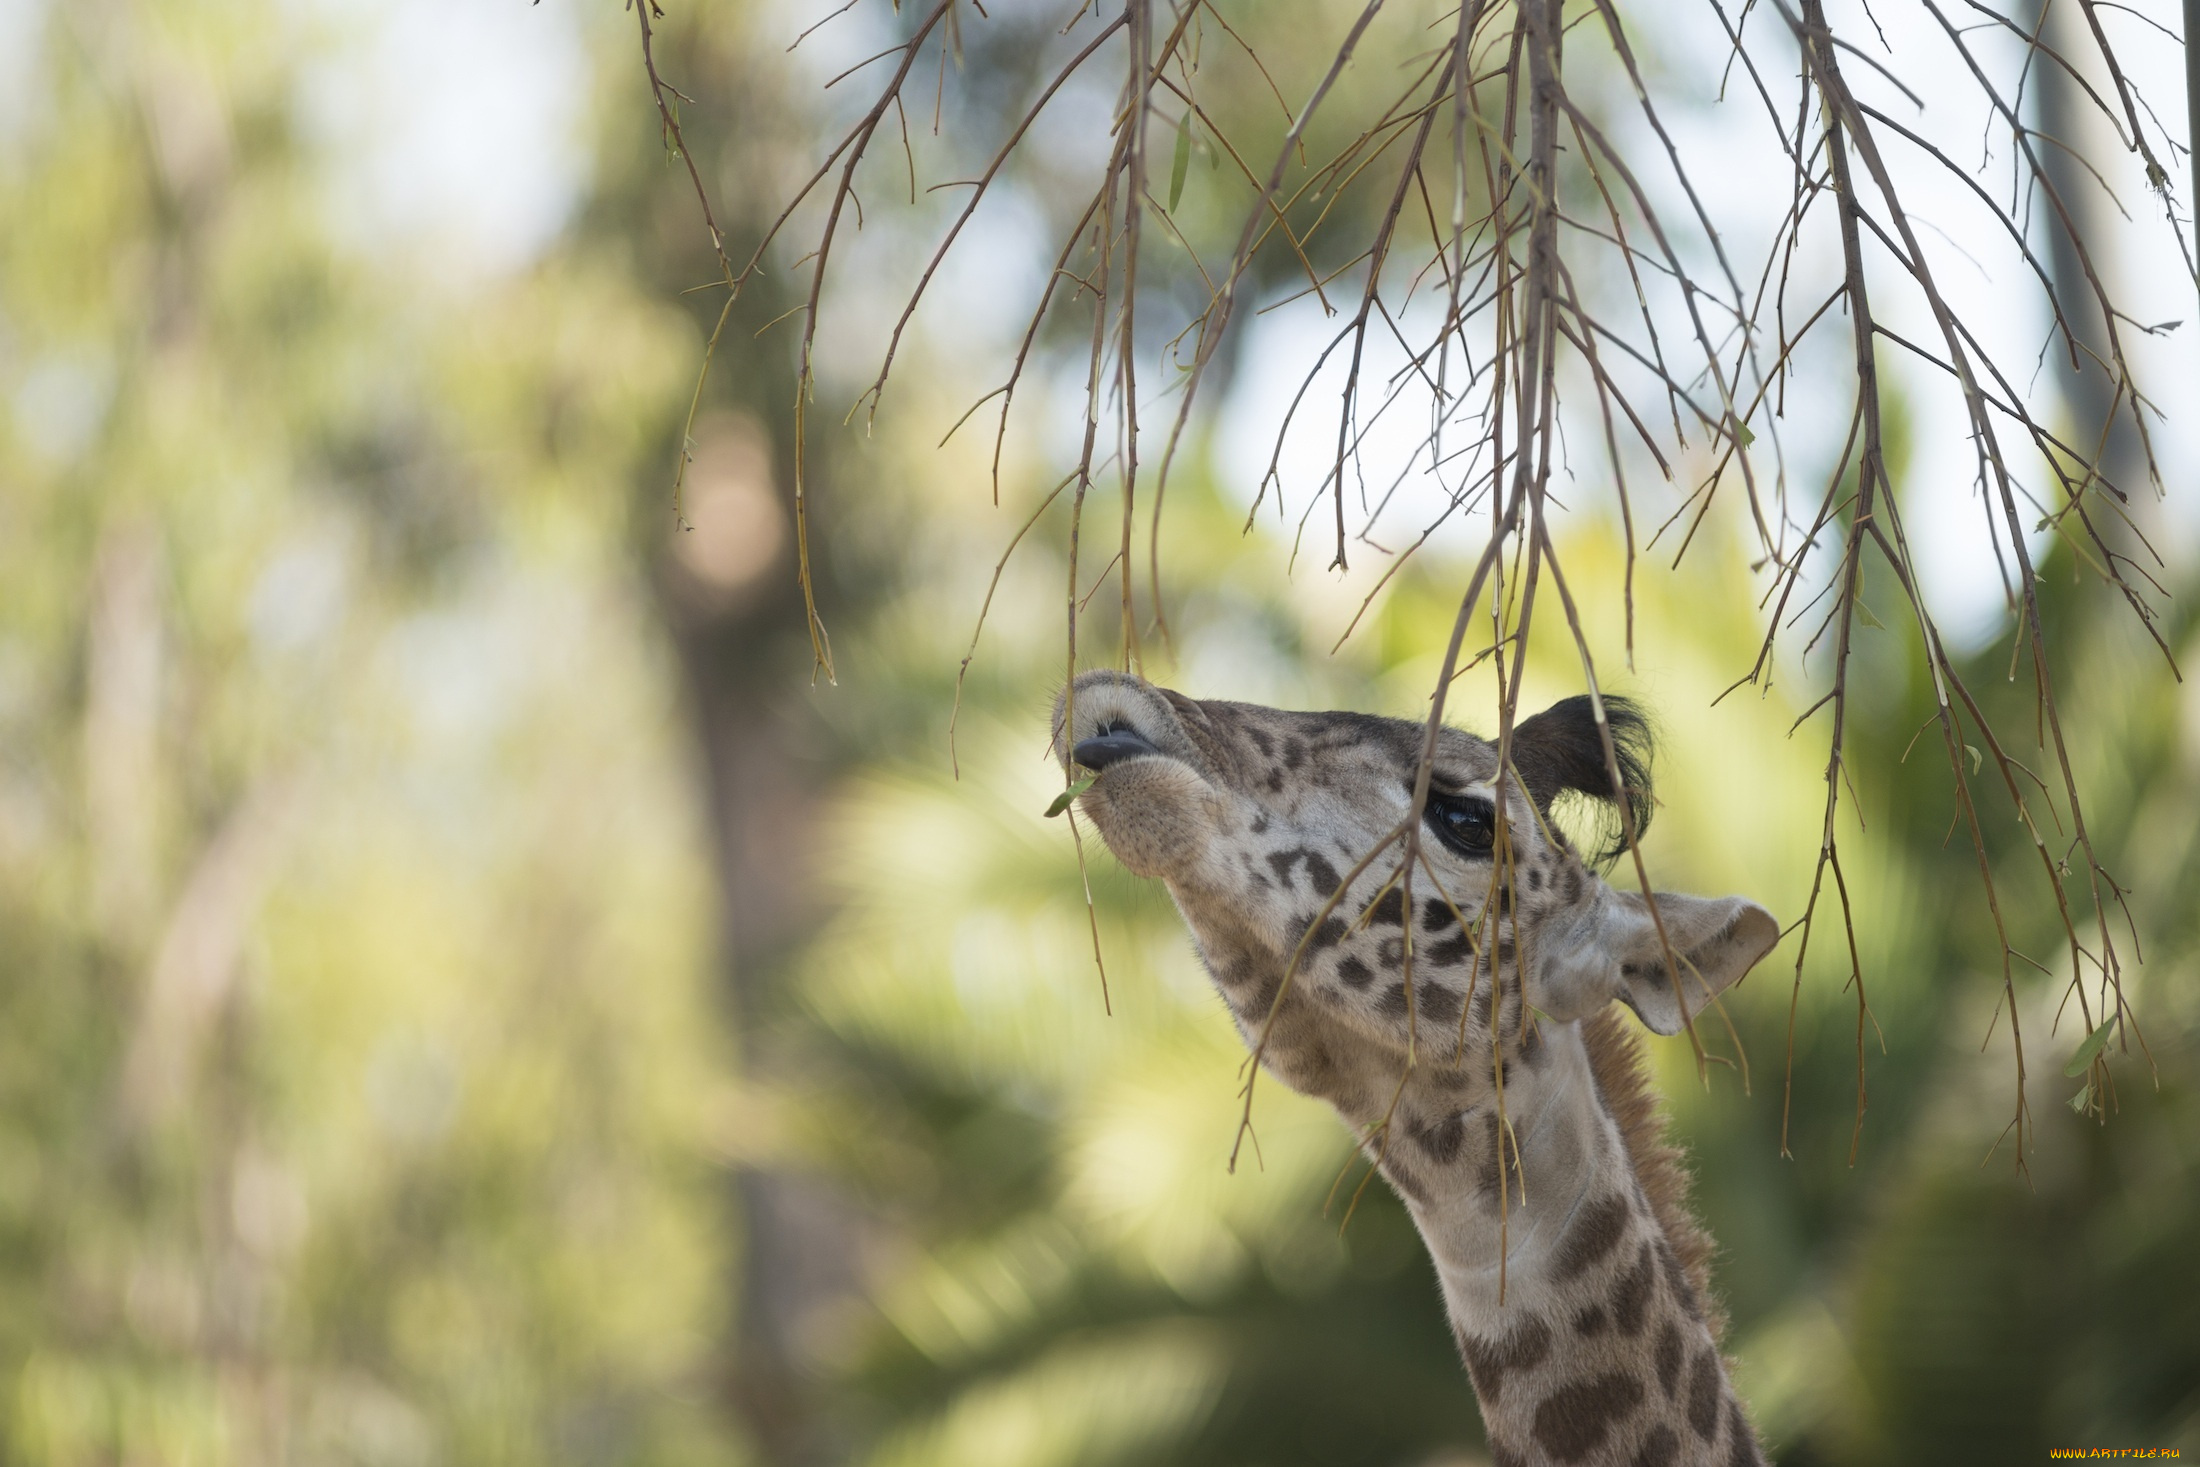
(1585, 1338)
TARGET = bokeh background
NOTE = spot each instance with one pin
(467, 995)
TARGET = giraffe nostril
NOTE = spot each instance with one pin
(1111, 744)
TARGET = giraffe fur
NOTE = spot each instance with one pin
(1463, 1024)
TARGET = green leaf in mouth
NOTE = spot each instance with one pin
(1062, 800)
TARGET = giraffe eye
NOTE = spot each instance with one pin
(1463, 822)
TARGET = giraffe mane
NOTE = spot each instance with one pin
(1620, 1064)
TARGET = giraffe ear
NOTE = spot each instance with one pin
(1714, 941)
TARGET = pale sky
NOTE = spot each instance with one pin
(456, 128)
(1736, 168)
(456, 131)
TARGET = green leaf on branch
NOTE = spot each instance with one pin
(1182, 161)
(2083, 1059)
(1062, 800)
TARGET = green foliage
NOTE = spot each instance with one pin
(352, 1026)
(363, 1094)
(1927, 1302)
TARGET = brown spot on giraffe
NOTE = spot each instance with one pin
(1595, 1231)
(1573, 1421)
(1703, 1395)
(1490, 1361)
(1672, 1351)
(1660, 1447)
(1439, 1002)
(1632, 1295)
(1388, 910)
(1321, 874)
(1329, 934)
(1440, 1138)
(1436, 1002)
(1741, 1448)
(1452, 951)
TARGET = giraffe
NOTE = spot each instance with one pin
(1595, 1338)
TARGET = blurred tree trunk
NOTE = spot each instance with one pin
(729, 593)
(2078, 130)
(797, 1237)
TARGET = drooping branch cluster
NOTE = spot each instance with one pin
(1847, 165)
(1502, 251)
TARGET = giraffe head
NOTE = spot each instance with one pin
(1255, 817)
(1553, 1211)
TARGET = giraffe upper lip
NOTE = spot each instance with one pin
(1112, 747)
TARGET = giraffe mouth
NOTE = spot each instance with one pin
(1112, 743)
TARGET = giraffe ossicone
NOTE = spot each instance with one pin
(1573, 1274)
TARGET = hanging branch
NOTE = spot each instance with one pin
(668, 120)
(1540, 283)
